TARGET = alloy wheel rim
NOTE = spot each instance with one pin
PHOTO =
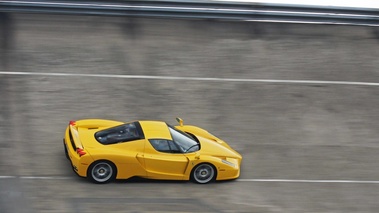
(102, 172)
(204, 173)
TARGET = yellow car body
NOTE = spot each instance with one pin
(103, 150)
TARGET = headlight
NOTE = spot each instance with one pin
(229, 163)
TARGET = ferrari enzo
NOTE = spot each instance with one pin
(104, 150)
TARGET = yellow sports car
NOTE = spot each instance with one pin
(104, 150)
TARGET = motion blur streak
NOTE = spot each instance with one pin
(193, 78)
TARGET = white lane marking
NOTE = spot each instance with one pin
(36, 177)
(153, 77)
(7, 177)
(45, 177)
(308, 181)
(238, 180)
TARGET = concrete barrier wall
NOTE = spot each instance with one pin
(198, 48)
(191, 48)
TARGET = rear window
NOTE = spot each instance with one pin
(119, 134)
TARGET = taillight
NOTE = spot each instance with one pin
(80, 151)
(72, 123)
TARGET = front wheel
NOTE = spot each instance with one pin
(203, 173)
(102, 172)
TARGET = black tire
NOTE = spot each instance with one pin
(203, 173)
(102, 171)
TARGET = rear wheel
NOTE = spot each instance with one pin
(203, 173)
(102, 172)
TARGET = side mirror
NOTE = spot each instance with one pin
(180, 121)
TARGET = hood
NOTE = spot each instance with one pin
(216, 148)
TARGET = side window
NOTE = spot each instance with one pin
(162, 145)
(118, 134)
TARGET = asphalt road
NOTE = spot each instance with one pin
(309, 145)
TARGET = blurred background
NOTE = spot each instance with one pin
(292, 87)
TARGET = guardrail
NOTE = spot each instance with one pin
(234, 11)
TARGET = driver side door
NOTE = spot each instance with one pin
(164, 160)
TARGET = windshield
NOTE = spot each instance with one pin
(185, 141)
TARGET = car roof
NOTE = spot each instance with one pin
(155, 129)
